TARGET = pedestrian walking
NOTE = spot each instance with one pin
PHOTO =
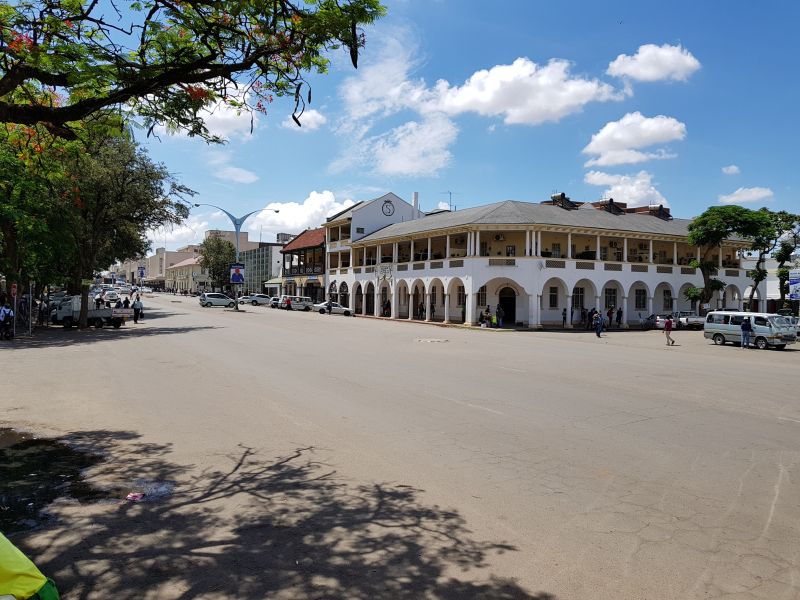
(668, 331)
(619, 317)
(329, 306)
(137, 309)
(564, 318)
(747, 330)
(433, 311)
(500, 314)
(421, 311)
(126, 303)
(598, 324)
(610, 315)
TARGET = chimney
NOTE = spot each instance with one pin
(415, 204)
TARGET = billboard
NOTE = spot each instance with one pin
(237, 273)
(794, 284)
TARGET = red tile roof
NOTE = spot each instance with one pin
(310, 238)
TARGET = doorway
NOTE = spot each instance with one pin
(508, 301)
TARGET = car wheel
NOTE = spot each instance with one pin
(719, 339)
(255, 303)
(116, 323)
(347, 313)
(322, 311)
(67, 322)
(761, 343)
(98, 323)
(231, 304)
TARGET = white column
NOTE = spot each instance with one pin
(429, 249)
(447, 247)
(569, 311)
(649, 305)
(650, 258)
(597, 249)
(597, 305)
(363, 300)
(624, 249)
(427, 306)
(569, 245)
(477, 243)
(538, 243)
(376, 307)
(469, 313)
(395, 300)
(720, 257)
(394, 252)
(527, 243)
(365, 256)
(352, 258)
(531, 310)
(447, 307)
(674, 253)
(469, 243)
(538, 309)
(411, 307)
(624, 312)
(411, 252)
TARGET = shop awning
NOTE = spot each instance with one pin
(274, 281)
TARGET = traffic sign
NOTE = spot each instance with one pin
(237, 273)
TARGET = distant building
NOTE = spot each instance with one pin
(260, 265)
(187, 275)
(304, 265)
(284, 238)
(244, 242)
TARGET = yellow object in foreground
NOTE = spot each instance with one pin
(19, 577)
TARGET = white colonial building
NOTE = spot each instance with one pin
(532, 259)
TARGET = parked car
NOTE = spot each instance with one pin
(769, 330)
(255, 299)
(110, 296)
(655, 321)
(275, 302)
(297, 303)
(216, 299)
(689, 319)
(336, 309)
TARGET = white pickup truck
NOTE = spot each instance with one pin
(68, 313)
(690, 320)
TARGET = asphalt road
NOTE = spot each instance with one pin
(330, 457)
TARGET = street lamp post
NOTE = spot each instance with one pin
(237, 226)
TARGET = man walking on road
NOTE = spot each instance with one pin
(137, 309)
(668, 331)
(747, 329)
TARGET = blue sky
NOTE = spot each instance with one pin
(683, 103)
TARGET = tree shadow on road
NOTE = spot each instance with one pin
(285, 527)
(56, 336)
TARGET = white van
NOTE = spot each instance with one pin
(769, 330)
(298, 302)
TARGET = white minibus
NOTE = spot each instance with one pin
(769, 330)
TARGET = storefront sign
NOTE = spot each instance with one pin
(794, 284)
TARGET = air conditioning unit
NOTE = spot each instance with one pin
(499, 237)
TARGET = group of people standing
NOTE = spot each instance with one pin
(592, 319)
(488, 319)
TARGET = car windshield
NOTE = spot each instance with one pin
(780, 321)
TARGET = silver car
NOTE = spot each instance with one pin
(216, 299)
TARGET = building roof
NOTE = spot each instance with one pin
(186, 263)
(513, 212)
(310, 238)
(348, 212)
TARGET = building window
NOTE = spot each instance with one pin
(577, 297)
(462, 297)
(482, 296)
(667, 300)
(359, 230)
(611, 298)
(641, 299)
(556, 249)
(511, 250)
(554, 296)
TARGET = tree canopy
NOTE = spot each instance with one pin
(714, 226)
(62, 61)
(216, 256)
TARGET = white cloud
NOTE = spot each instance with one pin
(295, 217)
(523, 92)
(635, 190)
(220, 162)
(190, 232)
(731, 170)
(618, 142)
(415, 149)
(743, 195)
(655, 63)
(311, 120)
